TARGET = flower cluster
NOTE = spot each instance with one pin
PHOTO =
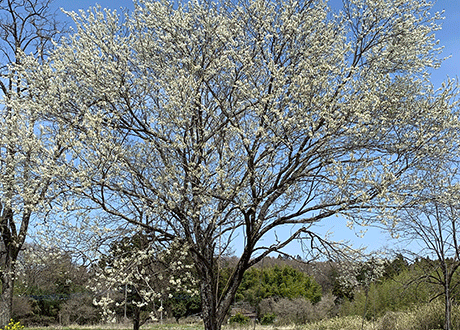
(14, 326)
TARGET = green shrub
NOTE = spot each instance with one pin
(79, 309)
(389, 321)
(268, 318)
(428, 316)
(239, 318)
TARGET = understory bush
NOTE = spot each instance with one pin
(32, 312)
(239, 318)
(339, 323)
(390, 295)
(422, 317)
(299, 310)
(22, 308)
(267, 319)
(79, 309)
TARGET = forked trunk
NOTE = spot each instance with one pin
(214, 307)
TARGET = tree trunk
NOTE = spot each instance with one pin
(448, 307)
(136, 318)
(6, 297)
(11, 247)
(211, 318)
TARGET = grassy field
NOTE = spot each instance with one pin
(339, 323)
(422, 317)
(343, 323)
(126, 326)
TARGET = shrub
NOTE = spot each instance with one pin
(239, 318)
(79, 309)
(299, 310)
(422, 317)
(22, 308)
(388, 295)
(268, 318)
(389, 321)
(339, 323)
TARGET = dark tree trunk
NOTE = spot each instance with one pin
(136, 318)
(211, 318)
(6, 297)
(12, 244)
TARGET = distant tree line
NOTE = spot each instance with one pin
(52, 289)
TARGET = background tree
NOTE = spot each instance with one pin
(26, 151)
(138, 275)
(387, 296)
(184, 304)
(266, 288)
(360, 275)
(395, 266)
(48, 271)
(200, 122)
(280, 282)
(48, 279)
(432, 222)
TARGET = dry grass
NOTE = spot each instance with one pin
(125, 326)
(422, 317)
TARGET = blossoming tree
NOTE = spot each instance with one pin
(201, 121)
(28, 153)
(146, 273)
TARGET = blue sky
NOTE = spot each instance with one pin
(449, 37)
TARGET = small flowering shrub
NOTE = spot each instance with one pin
(14, 326)
(297, 311)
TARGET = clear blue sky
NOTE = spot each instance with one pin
(449, 37)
